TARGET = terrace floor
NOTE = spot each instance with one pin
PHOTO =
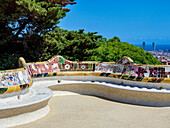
(81, 111)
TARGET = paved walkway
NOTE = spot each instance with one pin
(81, 111)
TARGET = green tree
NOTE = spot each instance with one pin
(23, 21)
(114, 49)
(73, 45)
(22, 17)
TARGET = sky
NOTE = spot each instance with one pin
(133, 21)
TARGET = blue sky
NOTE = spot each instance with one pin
(133, 21)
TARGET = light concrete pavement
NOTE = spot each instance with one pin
(82, 111)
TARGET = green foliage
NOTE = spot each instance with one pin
(32, 16)
(21, 24)
(73, 45)
(114, 49)
(7, 61)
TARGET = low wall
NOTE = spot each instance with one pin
(5, 113)
(137, 96)
(14, 94)
(36, 99)
(91, 76)
(13, 82)
(125, 67)
(107, 89)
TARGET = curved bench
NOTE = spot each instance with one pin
(121, 93)
(19, 98)
(29, 107)
(93, 76)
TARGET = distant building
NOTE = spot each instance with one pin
(153, 46)
(143, 45)
(164, 62)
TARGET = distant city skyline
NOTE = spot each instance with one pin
(132, 21)
(158, 46)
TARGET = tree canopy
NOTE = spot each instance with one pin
(24, 17)
(114, 49)
(73, 45)
(22, 21)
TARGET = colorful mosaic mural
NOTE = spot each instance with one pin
(14, 80)
(159, 71)
(124, 66)
(58, 64)
(109, 68)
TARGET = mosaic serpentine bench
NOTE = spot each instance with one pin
(12, 81)
(125, 69)
(125, 94)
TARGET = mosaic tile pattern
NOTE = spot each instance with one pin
(125, 68)
(14, 80)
